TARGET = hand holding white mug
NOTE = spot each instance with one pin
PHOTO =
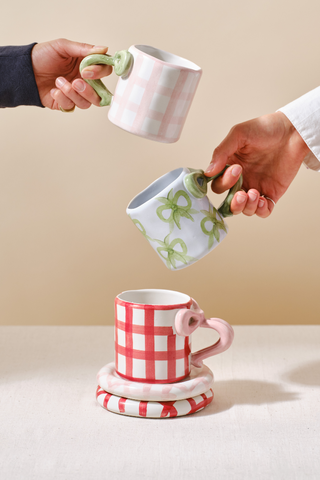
(268, 151)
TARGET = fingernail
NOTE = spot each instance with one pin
(87, 73)
(241, 197)
(261, 203)
(99, 48)
(236, 170)
(209, 169)
(60, 81)
(252, 196)
(53, 91)
(79, 85)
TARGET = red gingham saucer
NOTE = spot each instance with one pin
(138, 408)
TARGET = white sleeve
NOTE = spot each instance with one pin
(304, 114)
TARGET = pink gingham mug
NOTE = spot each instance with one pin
(153, 335)
(153, 94)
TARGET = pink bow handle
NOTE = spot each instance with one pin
(188, 320)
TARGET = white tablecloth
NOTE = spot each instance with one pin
(264, 422)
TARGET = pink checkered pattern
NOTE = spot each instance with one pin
(154, 100)
(147, 348)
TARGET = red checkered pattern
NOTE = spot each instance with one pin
(154, 99)
(138, 408)
(147, 348)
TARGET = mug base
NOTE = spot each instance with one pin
(146, 135)
(144, 380)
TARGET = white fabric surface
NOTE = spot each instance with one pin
(264, 421)
(304, 114)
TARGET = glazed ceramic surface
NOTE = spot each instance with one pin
(176, 217)
(197, 382)
(154, 99)
(136, 408)
(153, 335)
(154, 91)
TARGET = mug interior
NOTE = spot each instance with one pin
(154, 297)
(155, 188)
(167, 57)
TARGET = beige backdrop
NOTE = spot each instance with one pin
(66, 245)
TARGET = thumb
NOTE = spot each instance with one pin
(222, 153)
(76, 49)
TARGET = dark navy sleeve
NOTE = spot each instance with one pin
(17, 83)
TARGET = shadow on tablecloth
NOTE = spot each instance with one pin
(229, 393)
(307, 374)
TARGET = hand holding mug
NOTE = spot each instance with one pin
(56, 70)
(153, 94)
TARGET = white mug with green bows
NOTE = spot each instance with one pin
(177, 218)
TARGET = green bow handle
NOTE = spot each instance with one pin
(121, 62)
(196, 183)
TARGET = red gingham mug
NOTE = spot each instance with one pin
(153, 335)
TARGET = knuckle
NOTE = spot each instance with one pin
(84, 105)
(85, 45)
(248, 213)
(60, 42)
(263, 215)
(236, 211)
(236, 130)
(217, 150)
(68, 106)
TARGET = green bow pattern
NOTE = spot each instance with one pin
(217, 225)
(177, 211)
(173, 255)
(141, 228)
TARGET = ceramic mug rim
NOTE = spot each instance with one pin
(181, 63)
(151, 191)
(183, 300)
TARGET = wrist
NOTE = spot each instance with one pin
(292, 134)
(34, 61)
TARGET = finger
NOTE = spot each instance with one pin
(252, 202)
(239, 202)
(54, 105)
(86, 92)
(269, 205)
(76, 49)
(61, 100)
(96, 71)
(66, 88)
(227, 180)
(223, 152)
(263, 210)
